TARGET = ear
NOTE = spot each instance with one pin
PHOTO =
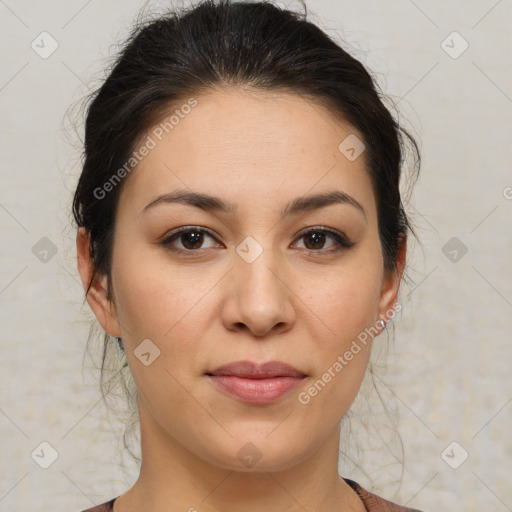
(391, 284)
(98, 300)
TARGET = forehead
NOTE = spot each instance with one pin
(249, 144)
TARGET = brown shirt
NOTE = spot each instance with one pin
(372, 502)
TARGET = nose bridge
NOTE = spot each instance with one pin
(261, 299)
(258, 265)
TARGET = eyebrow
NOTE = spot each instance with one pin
(211, 203)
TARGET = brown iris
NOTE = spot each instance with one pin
(316, 238)
(192, 239)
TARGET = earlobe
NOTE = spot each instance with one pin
(97, 296)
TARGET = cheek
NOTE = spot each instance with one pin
(163, 305)
(345, 304)
(347, 311)
(152, 299)
(171, 307)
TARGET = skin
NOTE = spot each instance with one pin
(295, 303)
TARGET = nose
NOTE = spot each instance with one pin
(259, 298)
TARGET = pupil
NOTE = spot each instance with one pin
(195, 238)
(316, 239)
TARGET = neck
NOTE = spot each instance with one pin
(172, 477)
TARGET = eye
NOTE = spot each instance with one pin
(191, 239)
(316, 237)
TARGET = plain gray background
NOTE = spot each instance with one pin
(450, 368)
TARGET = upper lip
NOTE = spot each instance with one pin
(250, 370)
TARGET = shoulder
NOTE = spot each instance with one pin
(108, 506)
(374, 503)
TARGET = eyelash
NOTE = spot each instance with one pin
(341, 240)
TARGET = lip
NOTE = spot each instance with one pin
(256, 383)
(250, 370)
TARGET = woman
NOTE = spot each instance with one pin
(241, 233)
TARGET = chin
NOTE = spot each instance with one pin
(255, 454)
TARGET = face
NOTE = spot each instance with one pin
(262, 278)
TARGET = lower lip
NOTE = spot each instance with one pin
(256, 391)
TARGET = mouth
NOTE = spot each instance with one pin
(256, 384)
